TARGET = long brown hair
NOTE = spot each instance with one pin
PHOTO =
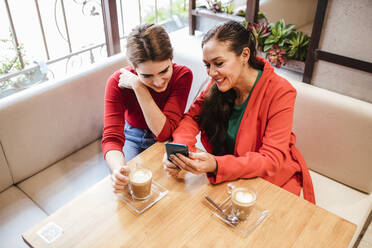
(218, 106)
(148, 42)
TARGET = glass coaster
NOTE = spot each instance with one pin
(247, 226)
(157, 192)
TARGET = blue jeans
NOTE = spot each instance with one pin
(136, 141)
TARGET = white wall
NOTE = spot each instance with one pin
(298, 12)
(347, 31)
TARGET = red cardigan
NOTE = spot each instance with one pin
(265, 145)
(121, 105)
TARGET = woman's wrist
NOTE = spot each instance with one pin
(214, 171)
(137, 85)
(115, 160)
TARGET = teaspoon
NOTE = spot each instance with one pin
(230, 218)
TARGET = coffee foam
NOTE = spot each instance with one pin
(244, 197)
(140, 176)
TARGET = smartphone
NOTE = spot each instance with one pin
(173, 148)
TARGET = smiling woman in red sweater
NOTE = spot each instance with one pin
(143, 103)
(245, 118)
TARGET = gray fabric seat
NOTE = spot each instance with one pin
(18, 213)
(63, 181)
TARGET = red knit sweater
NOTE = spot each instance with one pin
(121, 105)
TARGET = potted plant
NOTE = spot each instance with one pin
(298, 46)
(260, 31)
(217, 6)
(280, 35)
(281, 44)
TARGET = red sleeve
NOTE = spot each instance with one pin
(176, 103)
(188, 127)
(275, 144)
(113, 127)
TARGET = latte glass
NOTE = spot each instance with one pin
(140, 180)
(243, 200)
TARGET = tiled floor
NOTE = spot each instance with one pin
(179, 36)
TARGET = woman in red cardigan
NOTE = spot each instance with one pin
(245, 118)
(143, 102)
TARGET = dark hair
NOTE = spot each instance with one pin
(218, 106)
(148, 42)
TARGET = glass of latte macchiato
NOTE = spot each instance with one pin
(243, 200)
(140, 180)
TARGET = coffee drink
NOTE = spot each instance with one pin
(243, 200)
(140, 183)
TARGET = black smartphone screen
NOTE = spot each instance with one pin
(173, 148)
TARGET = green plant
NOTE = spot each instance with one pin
(240, 13)
(261, 18)
(178, 8)
(218, 6)
(9, 62)
(280, 41)
(298, 46)
(9, 55)
(281, 34)
(229, 8)
(260, 32)
(162, 15)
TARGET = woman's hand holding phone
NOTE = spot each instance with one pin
(196, 163)
(178, 157)
(169, 167)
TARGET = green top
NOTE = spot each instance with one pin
(236, 118)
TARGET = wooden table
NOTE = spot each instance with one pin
(184, 219)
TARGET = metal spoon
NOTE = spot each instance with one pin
(230, 218)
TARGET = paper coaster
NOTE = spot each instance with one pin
(50, 232)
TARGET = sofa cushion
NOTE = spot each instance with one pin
(5, 176)
(47, 122)
(334, 134)
(17, 214)
(342, 200)
(60, 183)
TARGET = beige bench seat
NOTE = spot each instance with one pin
(334, 134)
(348, 203)
(61, 182)
(18, 213)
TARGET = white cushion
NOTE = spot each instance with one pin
(342, 200)
(17, 214)
(5, 176)
(60, 183)
(334, 134)
(47, 122)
